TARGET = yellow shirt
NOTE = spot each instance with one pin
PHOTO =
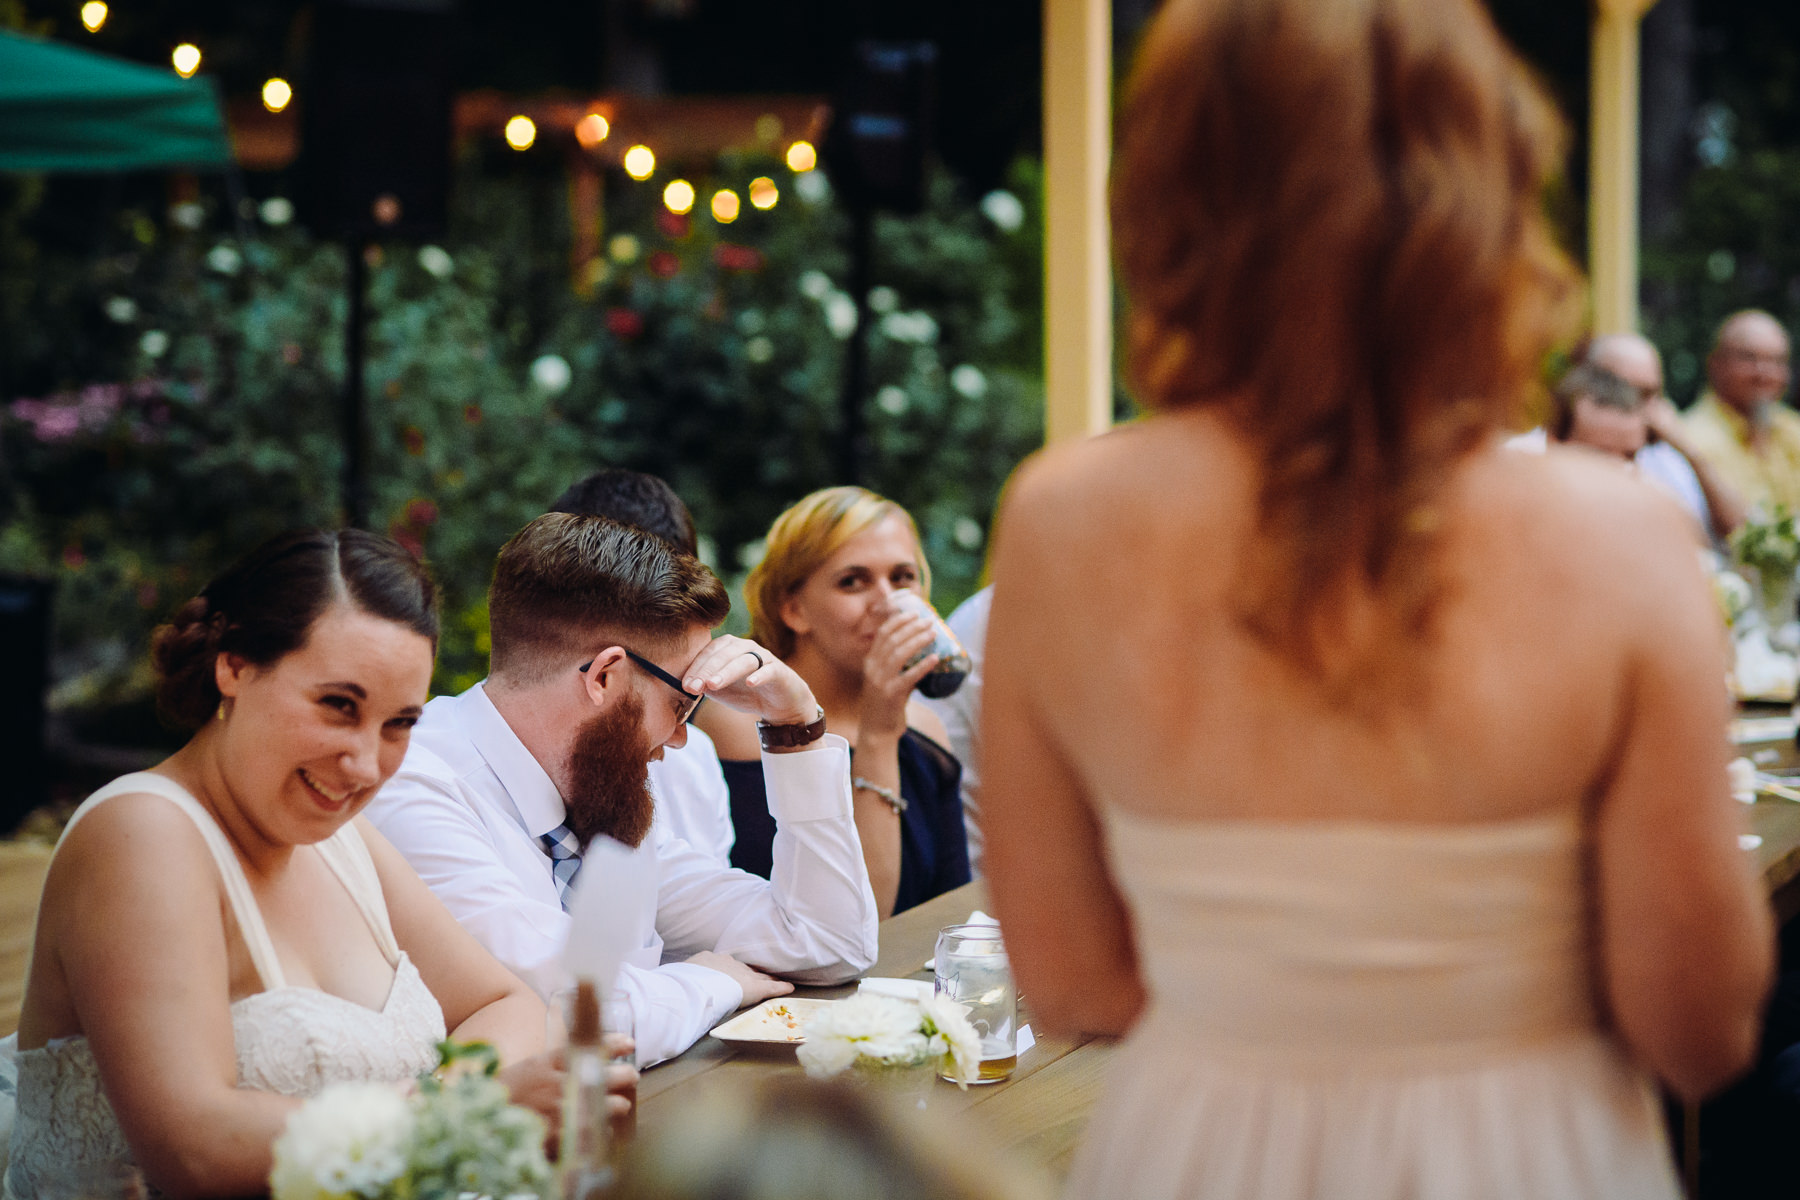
(1766, 476)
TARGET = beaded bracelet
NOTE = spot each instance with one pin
(889, 796)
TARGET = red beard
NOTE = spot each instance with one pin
(609, 777)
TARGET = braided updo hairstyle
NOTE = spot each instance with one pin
(264, 606)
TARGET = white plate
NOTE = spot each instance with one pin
(777, 1022)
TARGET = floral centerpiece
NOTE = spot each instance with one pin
(1771, 548)
(877, 1033)
(450, 1138)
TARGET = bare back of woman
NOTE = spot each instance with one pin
(1368, 776)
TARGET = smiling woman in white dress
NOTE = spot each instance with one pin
(1370, 779)
(222, 934)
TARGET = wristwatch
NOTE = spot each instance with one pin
(786, 737)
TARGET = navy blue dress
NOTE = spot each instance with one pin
(934, 848)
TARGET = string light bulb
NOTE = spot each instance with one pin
(521, 131)
(591, 130)
(276, 94)
(802, 157)
(725, 206)
(186, 58)
(93, 15)
(763, 192)
(678, 197)
(640, 163)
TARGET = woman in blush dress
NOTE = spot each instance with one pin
(221, 935)
(1369, 779)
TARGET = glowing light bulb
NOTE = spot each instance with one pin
(763, 192)
(276, 94)
(186, 58)
(521, 131)
(678, 197)
(802, 157)
(725, 206)
(640, 163)
(591, 130)
(93, 15)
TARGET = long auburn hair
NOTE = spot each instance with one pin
(1328, 221)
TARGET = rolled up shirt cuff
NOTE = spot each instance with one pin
(811, 784)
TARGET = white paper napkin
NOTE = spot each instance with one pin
(916, 990)
(613, 902)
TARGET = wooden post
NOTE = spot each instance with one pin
(1078, 352)
(1613, 165)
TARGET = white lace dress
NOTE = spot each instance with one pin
(290, 1040)
(1366, 1011)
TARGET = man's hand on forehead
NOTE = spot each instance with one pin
(741, 674)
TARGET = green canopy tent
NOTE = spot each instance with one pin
(67, 109)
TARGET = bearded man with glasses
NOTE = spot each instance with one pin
(601, 652)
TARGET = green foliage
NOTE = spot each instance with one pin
(1734, 247)
(203, 414)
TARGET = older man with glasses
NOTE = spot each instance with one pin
(601, 652)
(1739, 424)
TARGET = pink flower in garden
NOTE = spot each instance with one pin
(663, 264)
(623, 322)
(290, 353)
(413, 438)
(420, 513)
(472, 413)
(406, 537)
(733, 257)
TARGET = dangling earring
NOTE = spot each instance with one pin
(221, 712)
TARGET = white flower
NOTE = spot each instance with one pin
(224, 259)
(815, 284)
(883, 299)
(952, 1036)
(880, 1028)
(812, 186)
(351, 1138)
(550, 374)
(436, 261)
(891, 400)
(154, 343)
(840, 315)
(122, 309)
(277, 210)
(187, 215)
(1733, 594)
(966, 533)
(759, 349)
(916, 327)
(969, 380)
(1003, 209)
(623, 248)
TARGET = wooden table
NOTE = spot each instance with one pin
(1038, 1114)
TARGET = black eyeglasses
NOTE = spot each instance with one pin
(687, 710)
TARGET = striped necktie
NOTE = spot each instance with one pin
(565, 860)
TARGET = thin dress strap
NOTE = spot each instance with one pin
(347, 855)
(237, 887)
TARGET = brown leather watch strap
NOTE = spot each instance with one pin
(786, 737)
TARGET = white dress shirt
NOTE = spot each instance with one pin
(467, 809)
(960, 712)
(692, 800)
